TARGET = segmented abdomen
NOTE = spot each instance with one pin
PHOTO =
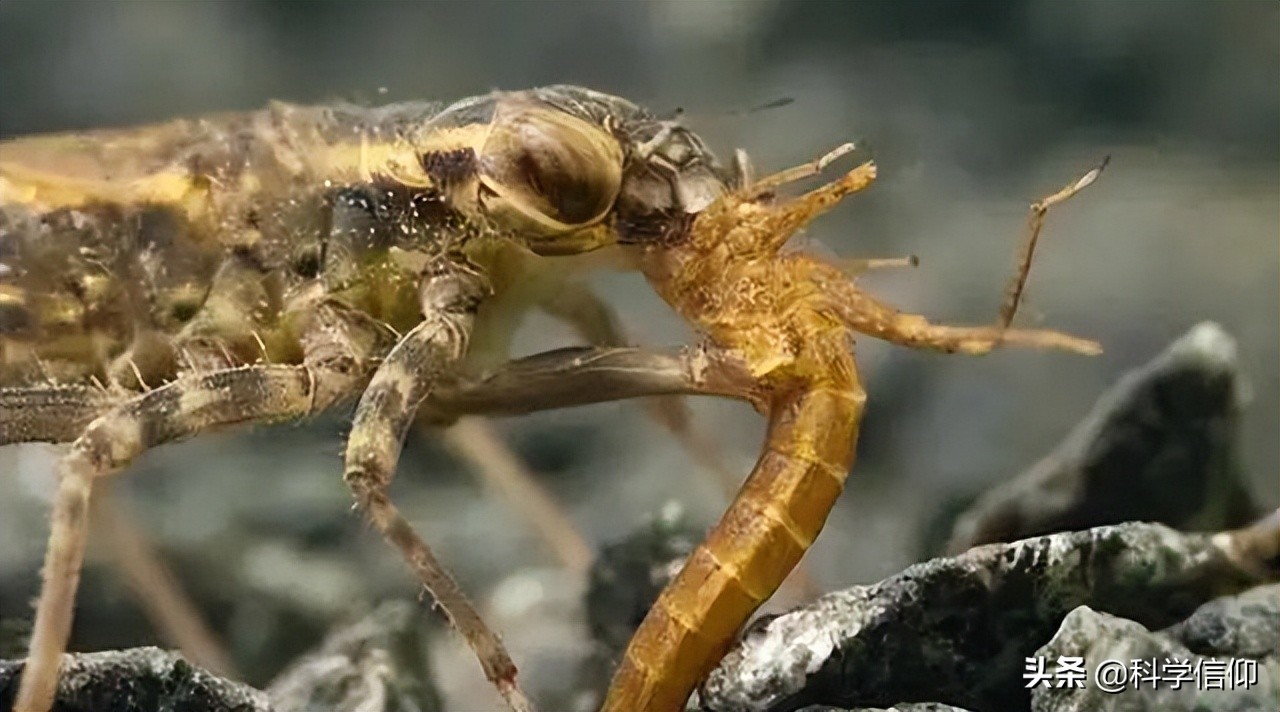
(78, 284)
(774, 519)
(126, 256)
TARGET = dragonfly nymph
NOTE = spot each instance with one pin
(261, 267)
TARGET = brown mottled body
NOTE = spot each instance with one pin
(262, 267)
(251, 268)
(136, 253)
(788, 320)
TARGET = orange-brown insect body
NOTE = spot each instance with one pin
(251, 333)
(776, 313)
(787, 320)
(158, 282)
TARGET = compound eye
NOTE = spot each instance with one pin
(553, 168)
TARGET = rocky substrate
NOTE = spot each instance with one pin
(1134, 540)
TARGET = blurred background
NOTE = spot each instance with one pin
(970, 109)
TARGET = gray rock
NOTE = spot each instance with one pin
(1159, 446)
(135, 680)
(909, 707)
(958, 630)
(1110, 648)
(1245, 625)
(377, 664)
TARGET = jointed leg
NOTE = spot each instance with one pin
(160, 595)
(870, 316)
(563, 378)
(782, 221)
(50, 414)
(595, 322)
(797, 173)
(475, 441)
(174, 411)
(576, 376)
(58, 414)
(450, 295)
(1035, 221)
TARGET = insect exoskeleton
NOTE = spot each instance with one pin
(565, 167)
(160, 281)
(334, 202)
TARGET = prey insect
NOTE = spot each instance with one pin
(256, 293)
(159, 282)
(779, 330)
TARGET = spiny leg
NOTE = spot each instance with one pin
(1035, 221)
(450, 296)
(177, 410)
(577, 376)
(50, 414)
(591, 317)
(223, 333)
(58, 414)
(561, 378)
(550, 285)
(337, 344)
(873, 317)
(870, 316)
(478, 444)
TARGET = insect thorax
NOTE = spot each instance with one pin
(128, 255)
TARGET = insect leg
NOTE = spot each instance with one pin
(171, 412)
(785, 219)
(476, 442)
(576, 376)
(775, 226)
(52, 414)
(591, 317)
(864, 313)
(1035, 221)
(797, 173)
(870, 316)
(159, 593)
(58, 414)
(450, 295)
